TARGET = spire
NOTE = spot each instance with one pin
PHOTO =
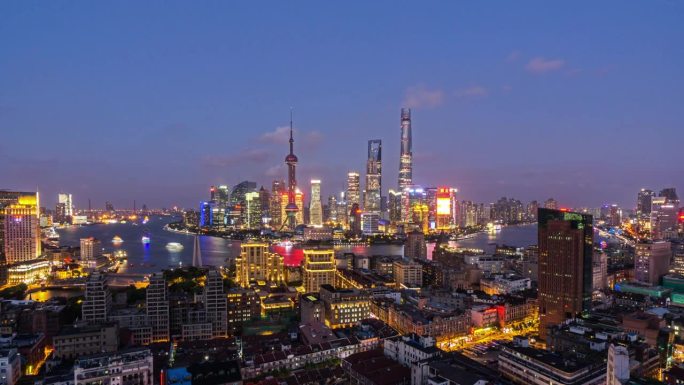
(291, 139)
(196, 253)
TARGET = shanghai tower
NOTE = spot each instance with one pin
(406, 156)
(291, 160)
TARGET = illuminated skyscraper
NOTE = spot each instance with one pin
(277, 192)
(342, 210)
(22, 229)
(68, 203)
(644, 203)
(265, 204)
(315, 207)
(222, 196)
(291, 160)
(373, 193)
(252, 210)
(332, 206)
(353, 189)
(406, 155)
(565, 266)
(445, 209)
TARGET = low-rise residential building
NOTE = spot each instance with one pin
(134, 366)
(504, 284)
(373, 368)
(410, 348)
(525, 365)
(407, 273)
(344, 307)
(10, 366)
(73, 342)
(408, 318)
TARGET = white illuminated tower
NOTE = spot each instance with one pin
(406, 156)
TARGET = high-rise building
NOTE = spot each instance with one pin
(319, 269)
(205, 214)
(265, 202)
(291, 160)
(98, 299)
(276, 206)
(355, 219)
(651, 261)
(332, 207)
(551, 204)
(299, 201)
(21, 229)
(222, 196)
(353, 189)
(644, 203)
(415, 246)
(66, 199)
(90, 248)
(257, 263)
(372, 197)
(406, 154)
(216, 304)
(532, 208)
(663, 217)
(315, 207)
(565, 242)
(342, 210)
(157, 307)
(370, 223)
(394, 203)
(7, 198)
(252, 209)
(445, 210)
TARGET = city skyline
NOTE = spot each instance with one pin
(164, 113)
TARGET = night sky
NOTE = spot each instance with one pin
(158, 100)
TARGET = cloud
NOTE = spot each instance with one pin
(241, 157)
(540, 65)
(278, 136)
(313, 137)
(473, 91)
(277, 170)
(420, 96)
(513, 56)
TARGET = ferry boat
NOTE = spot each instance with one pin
(50, 234)
(145, 240)
(117, 239)
(174, 246)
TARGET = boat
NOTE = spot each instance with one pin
(117, 239)
(174, 246)
(146, 240)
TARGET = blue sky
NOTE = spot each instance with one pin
(155, 101)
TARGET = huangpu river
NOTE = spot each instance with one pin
(152, 257)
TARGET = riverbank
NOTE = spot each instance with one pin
(185, 232)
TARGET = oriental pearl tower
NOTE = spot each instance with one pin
(291, 160)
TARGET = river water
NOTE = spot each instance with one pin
(145, 259)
